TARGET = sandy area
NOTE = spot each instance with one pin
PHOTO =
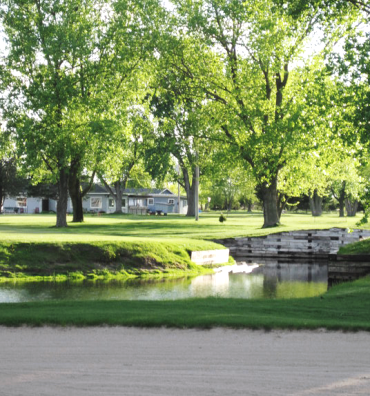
(130, 361)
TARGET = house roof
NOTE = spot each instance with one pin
(98, 189)
(141, 192)
(147, 191)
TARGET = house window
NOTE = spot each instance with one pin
(150, 201)
(21, 202)
(111, 203)
(184, 203)
(171, 201)
(123, 202)
(96, 203)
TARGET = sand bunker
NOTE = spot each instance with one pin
(143, 362)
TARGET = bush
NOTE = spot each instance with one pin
(222, 218)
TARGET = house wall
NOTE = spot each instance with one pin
(88, 201)
(52, 205)
(113, 209)
(160, 203)
(34, 205)
(184, 206)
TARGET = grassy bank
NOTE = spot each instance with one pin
(344, 307)
(357, 248)
(66, 260)
(126, 245)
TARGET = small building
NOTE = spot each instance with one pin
(22, 204)
(134, 201)
(98, 199)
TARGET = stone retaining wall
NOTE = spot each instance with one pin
(310, 244)
(318, 244)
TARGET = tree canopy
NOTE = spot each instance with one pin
(102, 86)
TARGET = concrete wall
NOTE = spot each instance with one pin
(310, 243)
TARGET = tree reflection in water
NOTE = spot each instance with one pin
(269, 279)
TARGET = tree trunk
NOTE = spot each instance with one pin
(75, 192)
(63, 199)
(118, 196)
(119, 186)
(249, 204)
(315, 204)
(351, 207)
(190, 196)
(189, 188)
(341, 199)
(282, 200)
(341, 207)
(270, 200)
(76, 198)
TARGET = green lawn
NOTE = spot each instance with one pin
(36, 228)
(357, 248)
(344, 307)
(126, 245)
(29, 244)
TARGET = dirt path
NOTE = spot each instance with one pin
(143, 362)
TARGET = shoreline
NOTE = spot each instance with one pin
(61, 261)
(343, 307)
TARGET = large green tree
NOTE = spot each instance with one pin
(125, 161)
(251, 60)
(183, 128)
(71, 62)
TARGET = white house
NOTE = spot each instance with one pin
(23, 204)
(98, 199)
(134, 200)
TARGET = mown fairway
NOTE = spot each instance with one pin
(39, 228)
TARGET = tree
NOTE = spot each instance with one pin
(128, 156)
(248, 59)
(11, 181)
(50, 45)
(233, 186)
(183, 123)
(330, 8)
(70, 61)
(346, 185)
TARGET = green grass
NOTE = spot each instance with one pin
(108, 259)
(361, 247)
(126, 245)
(344, 307)
(39, 228)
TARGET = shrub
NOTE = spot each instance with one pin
(222, 218)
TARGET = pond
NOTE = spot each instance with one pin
(267, 279)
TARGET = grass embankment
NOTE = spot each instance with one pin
(357, 248)
(344, 307)
(121, 259)
(126, 245)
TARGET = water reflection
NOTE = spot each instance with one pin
(265, 279)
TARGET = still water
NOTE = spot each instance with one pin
(268, 279)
